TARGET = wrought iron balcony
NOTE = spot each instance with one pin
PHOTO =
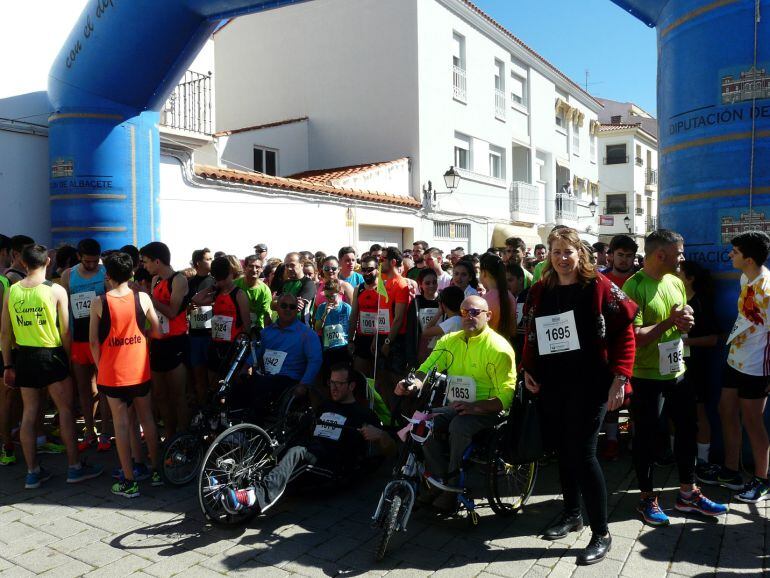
(524, 198)
(459, 83)
(189, 106)
(566, 207)
(499, 104)
(651, 177)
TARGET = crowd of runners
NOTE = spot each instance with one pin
(606, 337)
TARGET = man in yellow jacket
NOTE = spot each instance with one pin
(481, 368)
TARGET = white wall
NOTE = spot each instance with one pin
(290, 140)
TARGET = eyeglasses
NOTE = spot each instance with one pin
(330, 268)
(288, 306)
(333, 383)
(472, 312)
(368, 269)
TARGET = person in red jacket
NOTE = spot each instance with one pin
(578, 356)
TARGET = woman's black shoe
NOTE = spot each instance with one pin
(563, 527)
(596, 550)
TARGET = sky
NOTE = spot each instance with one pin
(574, 35)
(618, 50)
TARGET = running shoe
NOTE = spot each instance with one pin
(103, 443)
(7, 456)
(35, 479)
(156, 480)
(141, 473)
(699, 503)
(83, 473)
(755, 491)
(707, 473)
(730, 479)
(239, 499)
(88, 442)
(51, 448)
(125, 488)
(651, 512)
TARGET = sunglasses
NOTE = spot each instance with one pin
(288, 306)
(329, 268)
(368, 269)
(472, 312)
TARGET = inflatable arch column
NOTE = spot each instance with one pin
(107, 84)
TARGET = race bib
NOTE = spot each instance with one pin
(253, 318)
(367, 321)
(273, 360)
(200, 317)
(81, 303)
(557, 333)
(328, 431)
(426, 316)
(461, 388)
(519, 313)
(334, 336)
(671, 357)
(222, 328)
(163, 321)
(741, 325)
(383, 322)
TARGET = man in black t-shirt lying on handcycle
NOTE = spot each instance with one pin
(337, 447)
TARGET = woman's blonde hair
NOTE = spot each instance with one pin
(585, 270)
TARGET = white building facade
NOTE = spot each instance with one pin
(628, 172)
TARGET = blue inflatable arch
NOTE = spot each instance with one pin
(119, 64)
(714, 126)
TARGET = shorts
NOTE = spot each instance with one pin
(167, 354)
(748, 386)
(80, 353)
(39, 367)
(125, 393)
(217, 354)
(199, 350)
(396, 361)
(363, 346)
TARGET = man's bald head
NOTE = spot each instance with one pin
(475, 302)
(475, 314)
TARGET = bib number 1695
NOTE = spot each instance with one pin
(555, 333)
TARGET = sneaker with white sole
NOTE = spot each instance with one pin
(755, 491)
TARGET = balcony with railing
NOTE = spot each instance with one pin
(189, 107)
(639, 211)
(525, 202)
(651, 178)
(566, 207)
(652, 223)
(499, 104)
(459, 83)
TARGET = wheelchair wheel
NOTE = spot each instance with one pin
(390, 521)
(238, 457)
(181, 458)
(508, 485)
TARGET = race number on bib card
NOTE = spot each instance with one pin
(200, 317)
(671, 357)
(426, 316)
(163, 322)
(329, 431)
(81, 303)
(273, 361)
(368, 322)
(334, 336)
(222, 328)
(461, 388)
(383, 322)
(557, 333)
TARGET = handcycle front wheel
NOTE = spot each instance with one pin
(509, 485)
(390, 520)
(237, 458)
(181, 458)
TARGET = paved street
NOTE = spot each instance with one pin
(71, 530)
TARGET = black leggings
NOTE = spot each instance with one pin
(572, 427)
(647, 405)
(273, 484)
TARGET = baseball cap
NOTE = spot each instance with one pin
(259, 248)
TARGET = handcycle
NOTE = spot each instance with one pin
(508, 484)
(182, 454)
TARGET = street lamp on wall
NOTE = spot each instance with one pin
(592, 207)
(627, 223)
(451, 180)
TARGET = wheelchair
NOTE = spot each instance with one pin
(508, 484)
(182, 455)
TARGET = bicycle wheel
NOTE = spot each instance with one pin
(238, 457)
(181, 458)
(388, 527)
(508, 485)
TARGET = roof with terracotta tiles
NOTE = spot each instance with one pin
(329, 176)
(614, 127)
(301, 186)
(261, 126)
(518, 41)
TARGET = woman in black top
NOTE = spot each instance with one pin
(423, 308)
